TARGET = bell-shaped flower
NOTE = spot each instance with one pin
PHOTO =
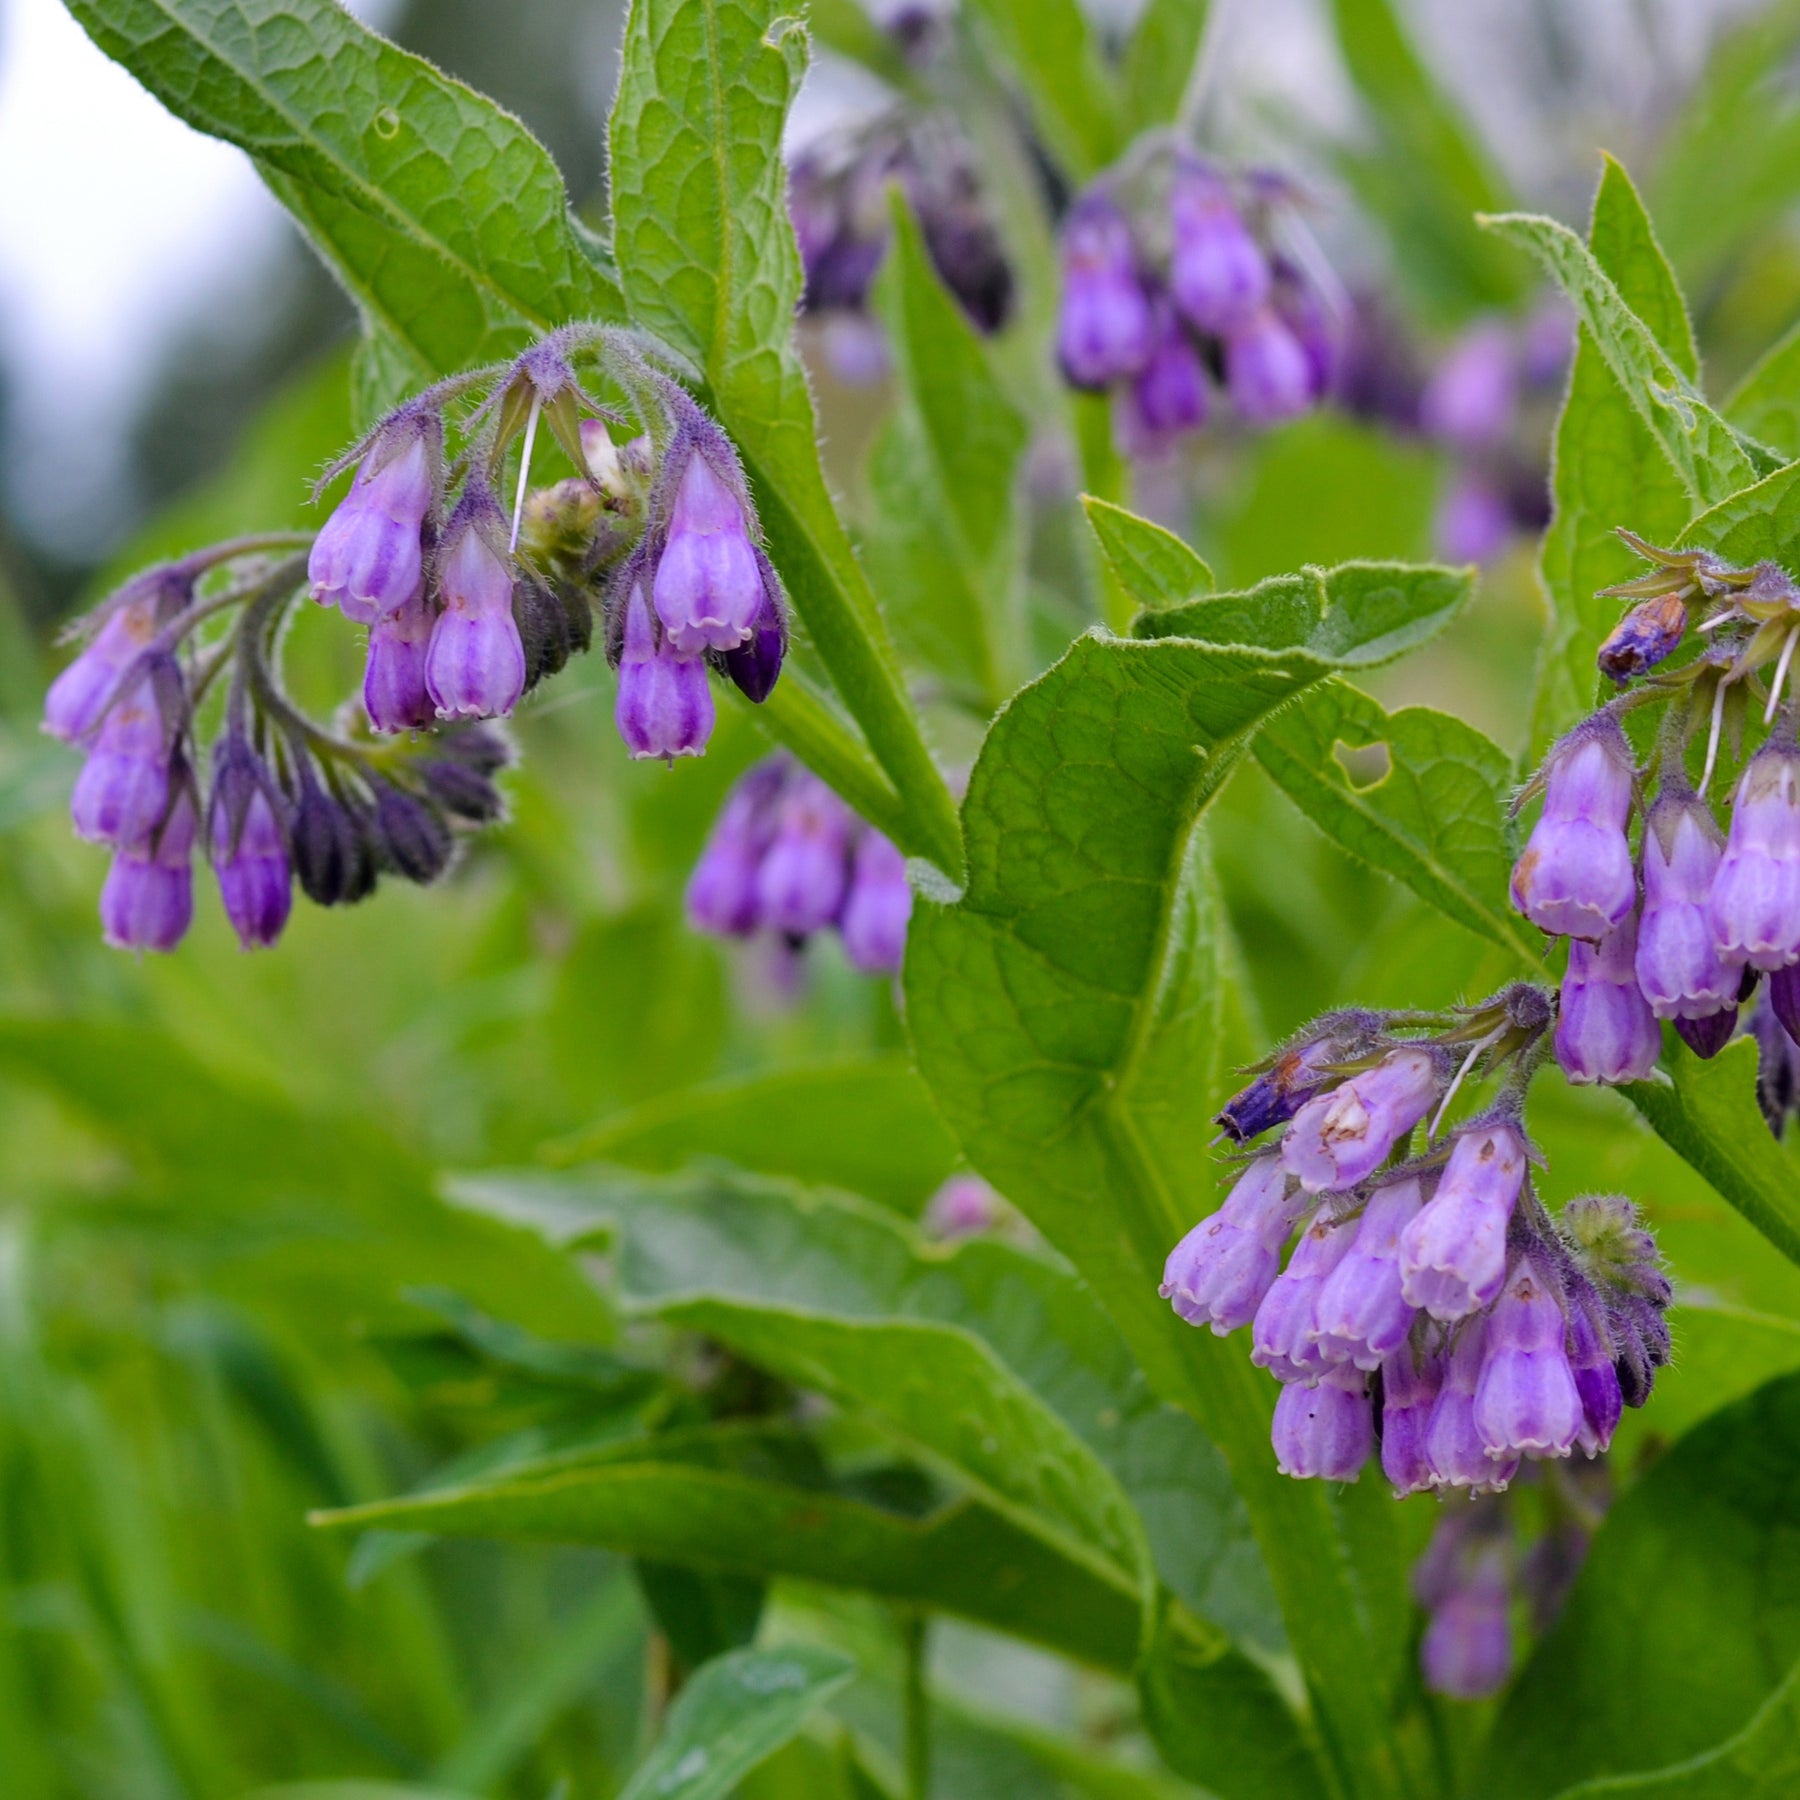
(1575, 878)
(1217, 270)
(1343, 1136)
(1605, 1028)
(1453, 1253)
(1104, 330)
(475, 660)
(708, 585)
(1755, 903)
(1325, 1432)
(368, 557)
(664, 706)
(1361, 1316)
(877, 907)
(1526, 1402)
(1220, 1272)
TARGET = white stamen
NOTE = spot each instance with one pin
(1718, 619)
(1781, 669)
(1712, 736)
(531, 419)
(1468, 1063)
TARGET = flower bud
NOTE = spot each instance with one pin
(147, 902)
(1466, 1651)
(78, 697)
(1361, 1315)
(1281, 1337)
(1777, 1062)
(1470, 400)
(877, 907)
(1295, 1075)
(1267, 373)
(368, 559)
(1473, 522)
(708, 585)
(1453, 1254)
(1324, 1433)
(1217, 270)
(411, 836)
(122, 792)
(1755, 905)
(664, 707)
(1342, 1137)
(1575, 877)
(1526, 1403)
(1678, 965)
(721, 892)
(395, 695)
(1707, 1037)
(249, 847)
(1410, 1379)
(475, 661)
(333, 859)
(800, 883)
(1784, 999)
(1651, 632)
(1605, 1030)
(1104, 330)
(754, 666)
(1452, 1443)
(1591, 1363)
(546, 627)
(1319, 333)
(1219, 1274)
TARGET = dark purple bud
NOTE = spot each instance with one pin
(962, 1207)
(122, 792)
(1410, 1379)
(754, 666)
(1527, 1403)
(1605, 1029)
(148, 900)
(475, 661)
(1361, 1315)
(1104, 330)
(1591, 1362)
(1649, 633)
(1784, 999)
(664, 706)
(1452, 1442)
(1453, 1254)
(877, 907)
(1472, 397)
(1755, 905)
(801, 880)
(464, 791)
(1466, 1652)
(395, 695)
(1217, 271)
(1342, 1137)
(545, 628)
(1325, 1433)
(1296, 1074)
(332, 856)
(1575, 878)
(411, 836)
(1219, 1274)
(249, 846)
(708, 586)
(368, 558)
(1281, 1336)
(1707, 1037)
(1777, 1064)
(721, 892)
(1267, 373)
(1474, 522)
(1679, 967)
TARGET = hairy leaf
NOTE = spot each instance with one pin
(1762, 520)
(1765, 405)
(1153, 565)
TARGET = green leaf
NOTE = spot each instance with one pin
(1765, 405)
(444, 218)
(1707, 1113)
(737, 1710)
(1435, 818)
(1050, 49)
(1684, 1620)
(1153, 565)
(1608, 468)
(867, 1126)
(1703, 450)
(1761, 1763)
(1761, 521)
(1160, 59)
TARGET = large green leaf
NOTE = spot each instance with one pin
(708, 262)
(1762, 520)
(1685, 1620)
(1706, 1111)
(442, 215)
(1052, 51)
(737, 1710)
(1608, 468)
(1434, 819)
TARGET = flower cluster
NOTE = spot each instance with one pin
(1432, 1305)
(465, 613)
(1171, 280)
(786, 855)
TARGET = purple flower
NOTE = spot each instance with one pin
(1605, 1029)
(148, 900)
(395, 694)
(1755, 907)
(1526, 1403)
(754, 666)
(800, 883)
(1454, 1446)
(122, 791)
(708, 585)
(1104, 331)
(1361, 1315)
(1784, 999)
(665, 707)
(963, 1206)
(721, 892)
(368, 557)
(1325, 1432)
(475, 661)
(1342, 1137)
(1217, 271)
(1281, 1337)
(1466, 1651)
(1453, 1254)
(1169, 397)
(1777, 1062)
(1707, 1037)
(1294, 1076)
(1471, 398)
(1267, 372)
(1647, 635)
(78, 696)
(1575, 878)
(1410, 1379)
(1591, 1363)
(1679, 967)
(249, 846)
(877, 907)
(1473, 522)
(1320, 334)
(1219, 1273)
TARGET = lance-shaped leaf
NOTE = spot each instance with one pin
(1160, 59)
(1434, 818)
(1153, 565)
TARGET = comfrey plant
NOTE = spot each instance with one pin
(466, 611)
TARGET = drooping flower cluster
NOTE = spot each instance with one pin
(787, 856)
(1171, 281)
(1431, 1305)
(465, 613)
(1688, 926)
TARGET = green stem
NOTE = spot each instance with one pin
(917, 1706)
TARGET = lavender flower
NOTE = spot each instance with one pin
(1777, 1065)
(1453, 1254)
(1453, 1443)
(1605, 1029)
(877, 907)
(122, 792)
(78, 696)
(721, 892)
(1471, 398)
(1104, 329)
(1361, 1315)
(147, 902)
(1466, 1651)
(1784, 999)
(1217, 270)
(1755, 906)
(1342, 1137)
(1220, 1272)
(1575, 877)
(395, 694)
(249, 847)
(1591, 1364)
(665, 706)
(1678, 964)
(1410, 1380)
(368, 557)
(1526, 1402)
(1282, 1337)
(708, 585)
(800, 884)
(1474, 520)
(475, 661)
(1326, 1432)
(1169, 397)
(963, 1207)
(1267, 372)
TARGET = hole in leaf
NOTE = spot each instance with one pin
(1365, 766)
(387, 122)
